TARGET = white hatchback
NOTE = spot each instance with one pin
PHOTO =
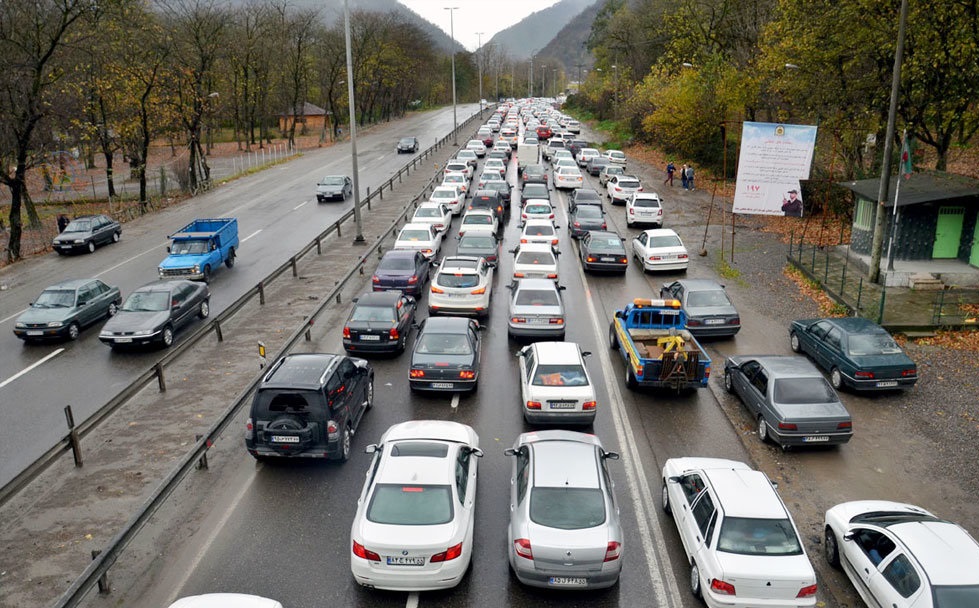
(586, 154)
(413, 530)
(644, 208)
(449, 196)
(738, 537)
(568, 177)
(615, 157)
(436, 214)
(660, 249)
(495, 164)
(462, 285)
(621, 187)
(555, 387)
(535, 261)
(420, 237)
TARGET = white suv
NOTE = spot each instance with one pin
(644, 208)
(463, 285)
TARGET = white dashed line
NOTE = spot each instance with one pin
(299, 205)
(251, 235)
(30, 367)
(455, 401)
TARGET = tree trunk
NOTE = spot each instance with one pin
(107, 153)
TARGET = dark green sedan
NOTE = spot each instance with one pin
(62, 310)
(857, 353)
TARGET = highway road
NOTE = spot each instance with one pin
(277, 215)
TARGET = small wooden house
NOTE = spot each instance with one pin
(311, 119)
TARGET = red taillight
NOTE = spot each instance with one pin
(437, 290)
(622, 260)
(613, 551)
(524, 241)
(807, 591)
(448, 555)
(693, 323)
(331, 427)
(594, 259)
(375, 279)
(682, 256)
(632, 211)
(522, 548)
(426, 251)
(478, 292)
(865, 375)
(467, 374)
(412, 280)
(346, 332)
(734, 321)
(577, 224)
(518, 275)
(552, 276)
(517, 320)
(908, 372)
(604, 226)
(722, 587)
(788, 426)
(589, 405)
(364, 553)
(845, 425)
(555, 321)
(523, 216)
(553, 241)
(533, 405)
(416, 373)
(393, 334)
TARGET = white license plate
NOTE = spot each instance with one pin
(668, 257)
(567, 581)
(608, 259)
(285, 439)
(881, 384)
(397, 560)
(123, 340)
(370, 338)
(714, 321)
(537, 321)
(817, 439)
(562, 405)
(442, 385)
(35, 332)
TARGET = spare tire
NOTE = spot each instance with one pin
(296, 434)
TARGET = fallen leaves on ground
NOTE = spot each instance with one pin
(958, 340)
(827, 306)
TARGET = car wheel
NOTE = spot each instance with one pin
(836, 378)
(832, 549)
(613, 338)
(113, 309)
(345, 445)
(728, 383)
(666, 498)
(369, 397)
(630, 378)
(73, 331)
(207, 274)
(91, 246)
(115, 237)
(167, 337)
(762, 429)
(695, 580)
(205, 310)
(794, 342)
(230, 262)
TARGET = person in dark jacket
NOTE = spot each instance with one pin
(63, 222)
(792, 206)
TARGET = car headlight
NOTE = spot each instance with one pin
(79, 241)
(142, 332)
(21, 325)
(55, 324)
(197, 268)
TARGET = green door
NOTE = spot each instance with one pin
(974, 254)
(948, 232)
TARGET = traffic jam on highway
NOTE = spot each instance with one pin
(519, 201)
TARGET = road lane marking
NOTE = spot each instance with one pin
(412, 600)
(653, 544)
(16, 314)
(126, 261)
(30, 367)
(455, 401)
(253, 234)
(299, 205)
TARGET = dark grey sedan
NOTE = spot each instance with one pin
(334, 187)
(583, 218)
(603, 251)
(446, 355)
(86, 232)
(480, 245)
(709, 311)
(534, 174)
(63, 309)
(152, 313)
(790, 400)
(532, 191)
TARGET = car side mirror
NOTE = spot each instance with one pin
(512, 250)
(674, 479)
(478, 453)
(610, 455)
(168, 248)
(586, 353)
(509, 452)
(370, 449)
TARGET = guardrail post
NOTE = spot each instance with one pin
(368, 195)
(859, 292)
(73, 440)
(337, 225)
(380, 191)
(202, 461)
(104, 587)
(261, 293)
(217, 330)
(880, 314)
(319, 249)
(295, 271)
(160, 379)
(399, 176)
(309, 333)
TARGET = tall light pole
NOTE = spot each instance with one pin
(359, 239)
(530, 78)
(452, 34)
(479, 67)
(615, 85)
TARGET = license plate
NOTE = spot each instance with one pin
(397, 560)
(881, 384)
(714, 321)
(537, 321)
(285, 439)
(370, 337)
(562, 405)
(123, 340)
(35, 332)
(442, 385)
(817, 439)
(669, 257)
(567, 581)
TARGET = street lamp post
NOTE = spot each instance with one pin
(359, 239)
(615, 85)
(452, 34)
(479, 68)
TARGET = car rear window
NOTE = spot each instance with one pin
(410, 505)
(540, 230)
(275, 401)
(397, 263)
(443, 344)
(373, 314)
(567, 508)
(538, 209)
(537, 297)
(428, 212)
(457, 279)
(872, 344)
(588, 211)
(795, 391)
(428, 449)
(714, 297)
(751, 536)
(646, 202)
(568, 374)
(669, 240)
(483, 220)
(605, 243)
(477, 241)
(415, 235)
(535, 257)
(624, 183)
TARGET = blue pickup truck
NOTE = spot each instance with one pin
(659, 351)
(198, 248)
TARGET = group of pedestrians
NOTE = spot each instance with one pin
(686, 175)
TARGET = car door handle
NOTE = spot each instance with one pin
(511, 507)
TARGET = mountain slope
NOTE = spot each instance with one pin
(568, 46)
(535, 31)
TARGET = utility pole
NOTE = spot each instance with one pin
(452, 34)
(479, 67)
(530, 78)
(358, 221)
(579, 66)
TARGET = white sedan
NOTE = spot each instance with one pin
(615, 157)
(450, 196)
(225, 600)
(537, 209)
(463, 285)
(436, 214)
(660, 249)
(495, 164)
(477, 146)
(539, 231)
(535, 261)
(420, 237)
(479, 221)
(568, 178)
(586, 154)
(413, 530)
(459, 180)
(555, 387)
(901, 556)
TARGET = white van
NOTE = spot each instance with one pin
(527, 154)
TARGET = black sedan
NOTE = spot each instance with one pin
(152, 313)
(594, 166)
(408, 144)
(86, 232)
(584, 196)
(790, 400)
(537, 191)
(63, 309)
(480, 245)
(857, 353)
(603, 251)
(404, 269)
(379, 323)
(446, 355)
(334, 187)
(583, 218)
(709, 311)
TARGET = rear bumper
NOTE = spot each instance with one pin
(442, 386)
(526, 330)
(381, 346)
(411, 290)
(714, 331)
(531, 576)
(558, 417)
(677, 265)
(879, 384)
(446, 577)
(800, 439)
(605, 266)
(320, 452)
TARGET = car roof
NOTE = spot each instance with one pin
(646, 195)
(608, 234)
(660, 232)
(162, 285)
(700, 284)
(537, 222)
(856, 325)
(479, 211)
(416, 226)
(556, 353)
(945, 550)
(300, 371)
(446, 325)
(536, 246)
(460, 262)
(794, 366)
(380, 298)
(745, 493)
(429, 204)
(561, 463)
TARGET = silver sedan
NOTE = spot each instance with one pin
(564, 521)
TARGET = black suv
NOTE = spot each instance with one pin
(491, 200)
(308, 406)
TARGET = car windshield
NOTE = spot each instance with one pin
(455, 178)
(794, 391)
(373, 314)
(443, 344)
(605, 243)
(188, 247)
(332, 181)
(588, 211)
(55, 298)
(535, 257)
(415, 235)
(406, 140)
(410, 505)
(872, 344)
(397, 263)
(457, 279)
(539, 230)
(147, 301)
(960, 596)
(567, 508)
(568, 374)
(79, 226)
(484, 220)
(750, 536)
(537, 297)
(667, 240)
(707, 298)
(646, 202)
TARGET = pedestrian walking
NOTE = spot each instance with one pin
(683, 177)
(689, 174)
(63, 222)
(670, 169)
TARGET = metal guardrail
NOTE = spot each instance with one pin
(99, 567)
